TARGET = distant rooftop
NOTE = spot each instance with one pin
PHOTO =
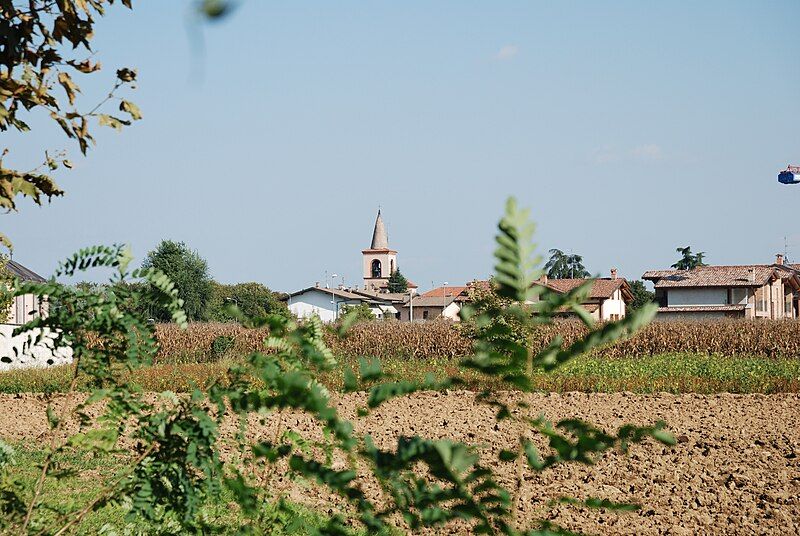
(750, 275)
(23, 273)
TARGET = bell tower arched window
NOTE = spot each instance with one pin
(376, 268)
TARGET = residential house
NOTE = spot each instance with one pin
(607, 298)
(606, 301)
(328, 303)
(384, 304)
(712, 292)
(27, 306)
(441, 302)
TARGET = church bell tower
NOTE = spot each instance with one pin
(379, 260)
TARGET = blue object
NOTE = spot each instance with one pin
(788, 177)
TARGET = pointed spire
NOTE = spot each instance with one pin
(379, 238)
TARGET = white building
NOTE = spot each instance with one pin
(28, 306)
(326, 303)
(32, 348)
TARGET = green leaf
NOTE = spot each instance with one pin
(350, 380)
(52, 418)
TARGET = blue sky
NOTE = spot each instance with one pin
(629, 129)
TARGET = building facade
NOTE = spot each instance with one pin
(768, 291)
(25, 307)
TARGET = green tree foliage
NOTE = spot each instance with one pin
(251, 299)
(688, 259)
(563, 266)
(6, 281)
(483, 298)
(397, 282)
(641, 296)
(188, 271)
(357, 313)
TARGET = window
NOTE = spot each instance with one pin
(762, 299)
(376, 268)
(424, 315)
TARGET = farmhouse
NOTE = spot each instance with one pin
(327, 303)
(711, 292)
(28, 306)
(607, 298)
(441, 302)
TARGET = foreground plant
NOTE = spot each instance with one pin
(175, 467)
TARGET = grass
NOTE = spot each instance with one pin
(90, 472)
(676, 373)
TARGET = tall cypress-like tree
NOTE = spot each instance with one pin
(397, 282)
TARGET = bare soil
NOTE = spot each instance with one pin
(735, 469)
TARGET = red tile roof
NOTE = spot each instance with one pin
(601, 288)
(753, 275)
(447, 291)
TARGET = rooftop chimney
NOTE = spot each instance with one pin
(779, 259)
(613, 273)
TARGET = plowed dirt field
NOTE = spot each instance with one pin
(735, 469)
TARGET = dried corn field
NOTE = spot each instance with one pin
(443, 339)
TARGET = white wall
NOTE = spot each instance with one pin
(317, 302)
(20, 311)
(28, 350)
(696, 296)
(615, 305)
(692, 316)
(451, 312)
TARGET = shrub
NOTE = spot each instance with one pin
(222, 345)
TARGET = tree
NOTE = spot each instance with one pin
(361, 312)
(688, 259)
(397, 282)
(641, 296)
(563, 266)
(252, 299)
(6, 282)
(189, 271)
(45, 46)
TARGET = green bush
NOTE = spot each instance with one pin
(222, 345)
